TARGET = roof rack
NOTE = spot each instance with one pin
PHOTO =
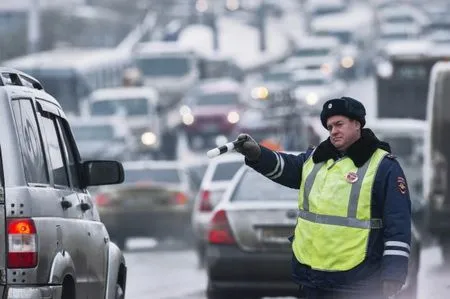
(14, 77)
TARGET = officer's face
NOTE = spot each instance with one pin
(343, 131)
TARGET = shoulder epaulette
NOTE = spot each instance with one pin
(391, 156)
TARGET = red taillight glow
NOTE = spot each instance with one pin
(205, 202)
(22, 247)
(101, 199)
(220, 231)
(180, 198)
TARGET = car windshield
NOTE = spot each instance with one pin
(307, 52)
(266, 190)
(310, 81)
(164, 66)
(130, 107)
(277, 76)
(226, 170)
(93, 133)
(223, 98)
(159, 175)
(396, 36)
(344, 37)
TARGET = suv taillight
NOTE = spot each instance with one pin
(205, 202)
(220, 231)
(101, 199)
(22, 247)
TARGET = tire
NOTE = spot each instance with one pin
(201, 251)
(213, 293)
(119, 293)
(445, 250)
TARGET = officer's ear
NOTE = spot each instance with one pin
(357, 124)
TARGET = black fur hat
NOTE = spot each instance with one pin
(345, 106)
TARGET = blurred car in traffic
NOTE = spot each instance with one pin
(216, 179)
(154, 201)
(210, 109)
(138, 105)
(107, 138)
(394, 32)
(248, 254)
(316, 52)
(270, 88)
(312, 89)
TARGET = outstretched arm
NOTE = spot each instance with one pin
(282, 168)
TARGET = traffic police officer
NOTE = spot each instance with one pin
(352, 238)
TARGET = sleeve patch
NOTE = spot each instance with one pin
(401, 183)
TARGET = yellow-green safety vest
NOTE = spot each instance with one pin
(334, 222)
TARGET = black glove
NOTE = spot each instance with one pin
(249, 148)
(391, 288)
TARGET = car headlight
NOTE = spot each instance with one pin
(185, 110)
(385, 70)
(149, 138)
(326, 68)
(312, 98)
(233, 117)
(347, 62)
(260, 93)
(188, 119)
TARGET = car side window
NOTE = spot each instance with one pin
(68, 149)
(31, 145)
(59, 170)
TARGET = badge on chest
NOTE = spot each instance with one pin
(351, 177)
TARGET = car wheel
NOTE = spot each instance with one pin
(119, 294)
(445, 249)
(201, 251)
(213, 293)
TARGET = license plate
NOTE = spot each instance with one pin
(276, 234)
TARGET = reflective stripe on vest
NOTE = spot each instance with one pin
(334, 221)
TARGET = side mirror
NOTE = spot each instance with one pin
(96, 173)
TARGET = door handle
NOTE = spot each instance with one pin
(65, 204)
(84, 206)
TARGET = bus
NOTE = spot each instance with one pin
(71, 74)
(437, 157)
(402, 77)
(168, 67)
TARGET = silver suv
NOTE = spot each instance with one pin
(52, 244)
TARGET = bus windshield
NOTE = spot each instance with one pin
(130, 107)
(93, 133)
(312, 52)
(164, 66)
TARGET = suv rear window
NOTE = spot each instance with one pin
(225, 171)
(266, 191)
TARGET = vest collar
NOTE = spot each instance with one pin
(360, 151)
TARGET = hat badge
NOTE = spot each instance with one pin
(330, 105)
(351, 177)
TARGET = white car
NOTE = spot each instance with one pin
(396, 32)
(102, 138)
(313, 89)
(215, 181)
(314, 52)
(139, 105)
